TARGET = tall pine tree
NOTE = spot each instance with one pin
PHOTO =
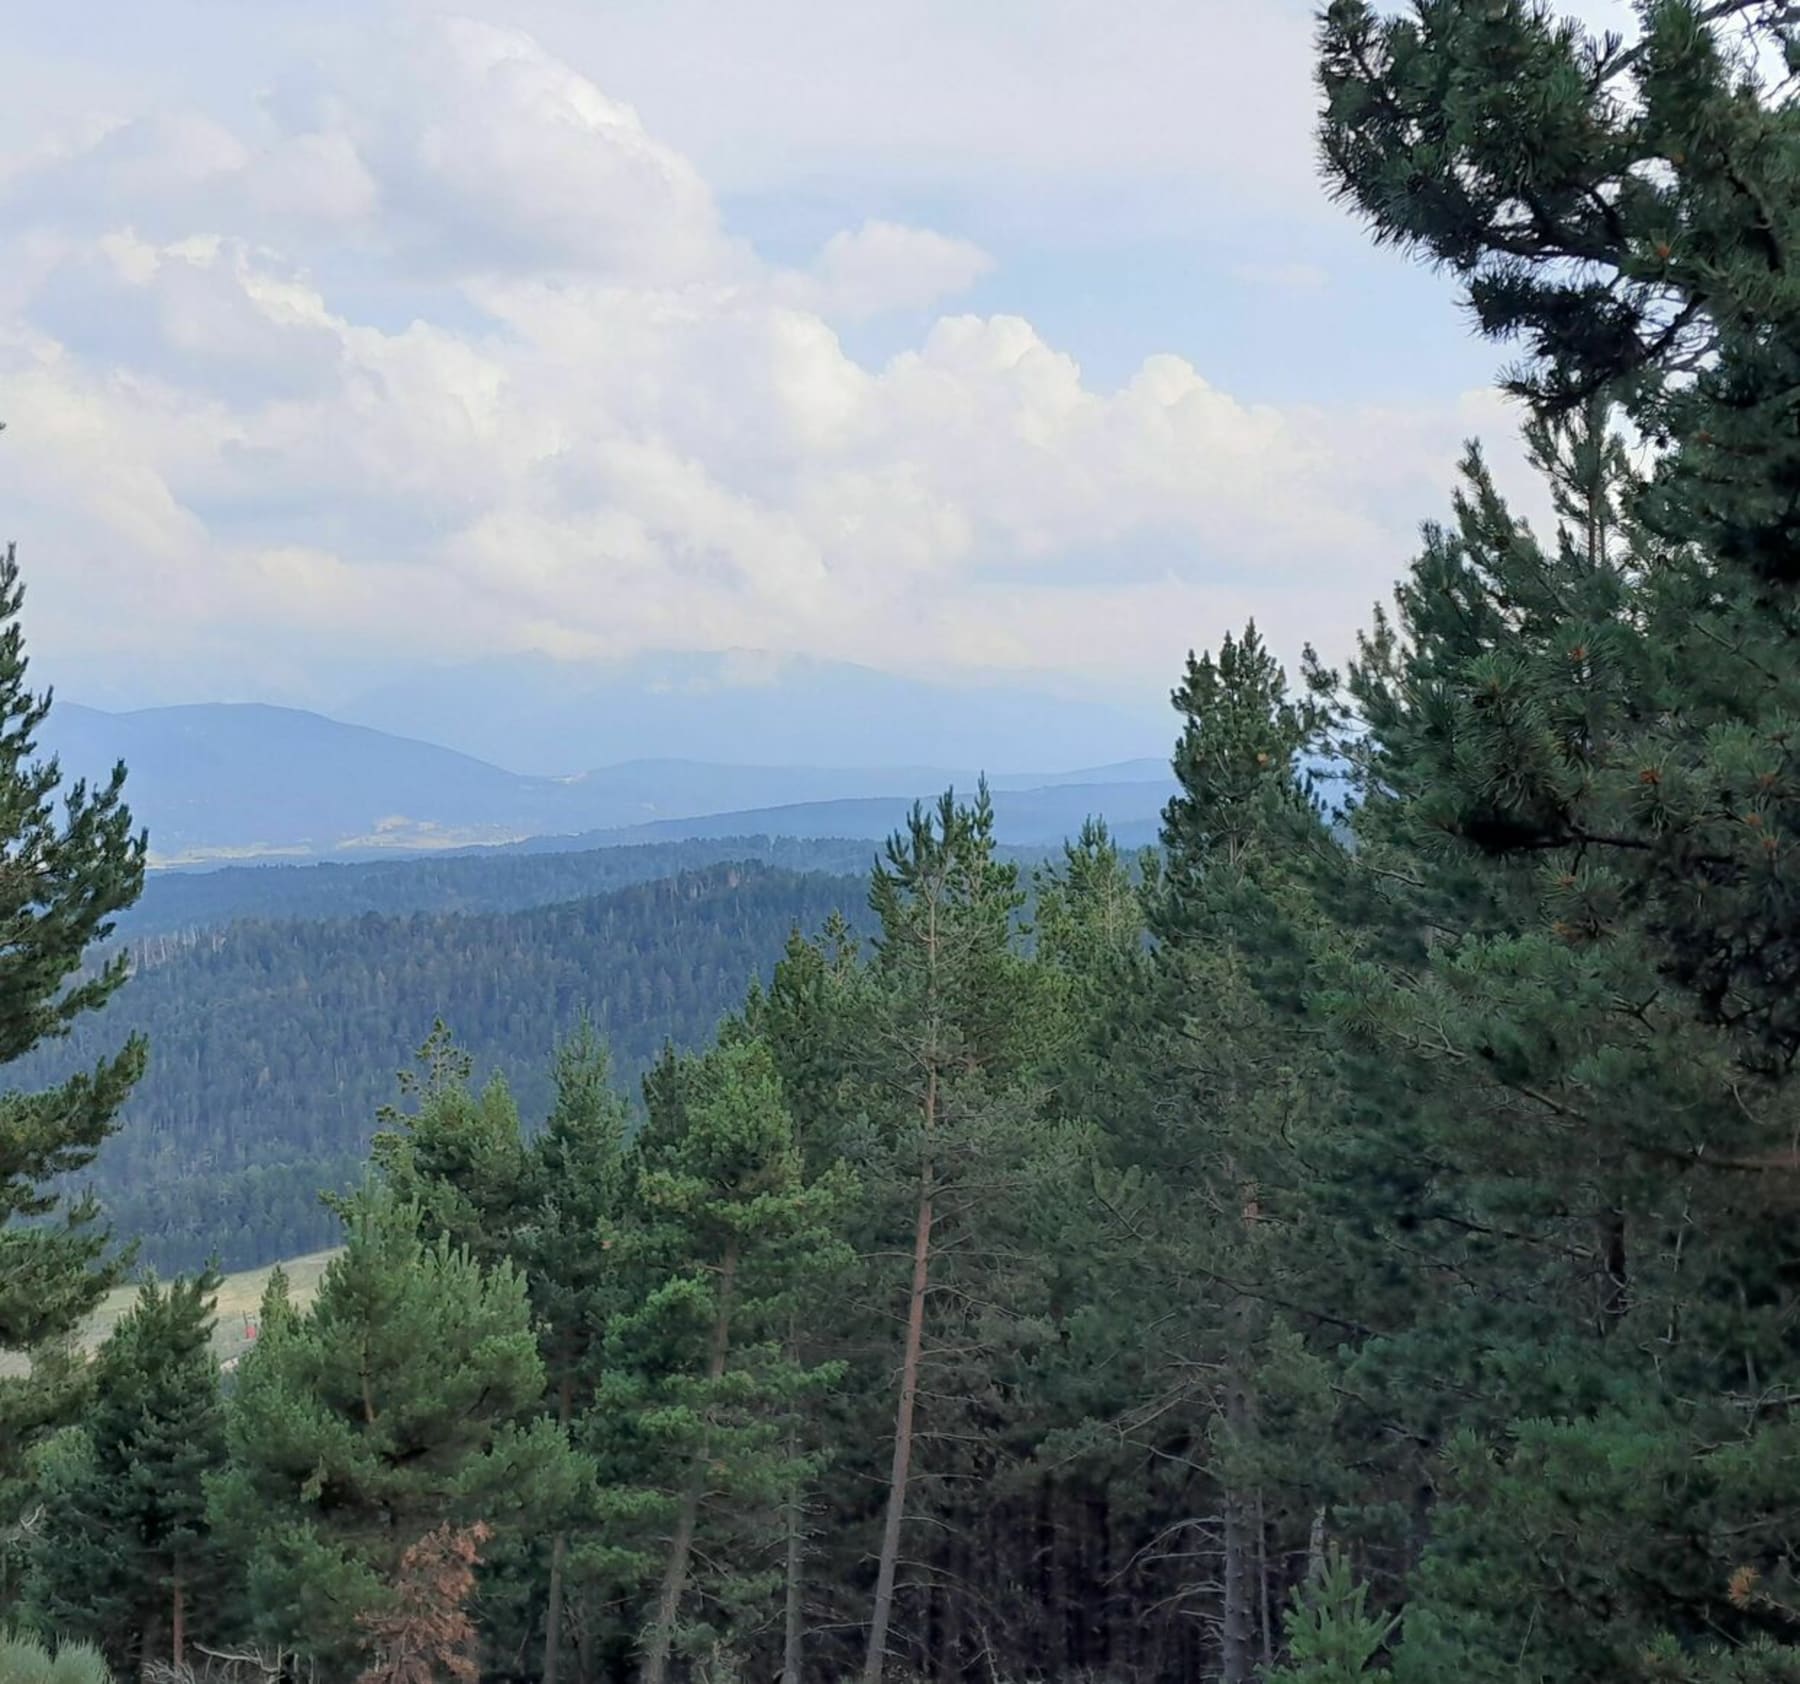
(957, 1024)
(71, 863)
(1584, 1165)
(577, 1182)
(404, 1398)
(124, 1556)
(732, 1236)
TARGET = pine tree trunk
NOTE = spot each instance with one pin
(793, 1613)
(793, 1610)
(584, 1642)
(1265, 1598)
(1238, 1631)
(1236, 1645)
(1615, 1294)
(1083, 1609)
(950, 1604)
(553, 1603)
(1101, 1656)
(681, 1546)
(559, 1551)
(1047, 1627)
(150, 1639)
(883, 1608)
(178, 1622)
(668, 1602)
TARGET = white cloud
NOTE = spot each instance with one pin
(972, 98)
(538, 169)
(316, 177)
(884, 266)
(607, 425)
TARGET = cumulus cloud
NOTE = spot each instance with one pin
(174, 173)
(884, 266)
(520, 162)
(605, 424)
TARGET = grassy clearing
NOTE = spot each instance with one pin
(239, 1298)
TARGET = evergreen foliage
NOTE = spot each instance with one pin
(577, 1188)
(276, 1044)
(1575, 765)
(401, 1400)
(955, 1020)
(68, 872)
(1332, 1636)
(731, 1237)
(1623, 210)
(125, 1551)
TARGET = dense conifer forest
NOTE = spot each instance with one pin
(1329, 1246)
(180, 903)
(274, 1044)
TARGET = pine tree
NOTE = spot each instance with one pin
(731, 1236)
(1572, 1040)
(1332, 1637)
(68, 874)
(814, 1017)
(401, 1400)
(460, 1154)
(1519, 1192)
(812, 1020)
(1232, 1082)
(577, 1184)
(957, 1024)
(553, 1208)
(1621, 208)
(124, 1557)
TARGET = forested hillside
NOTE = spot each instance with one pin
(1027, 818)
(273, 1045)
(486, 880)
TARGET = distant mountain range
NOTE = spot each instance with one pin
(223, 781)
(1024, 817)
(750, 708)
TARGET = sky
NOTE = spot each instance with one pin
(1017, 341)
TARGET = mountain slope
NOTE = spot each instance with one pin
(1023, 818)
(243, 779)
(221, 781)
(179, 903)
(744, 706)
(274, 1044)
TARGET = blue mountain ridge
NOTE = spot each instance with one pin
(216, 782)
